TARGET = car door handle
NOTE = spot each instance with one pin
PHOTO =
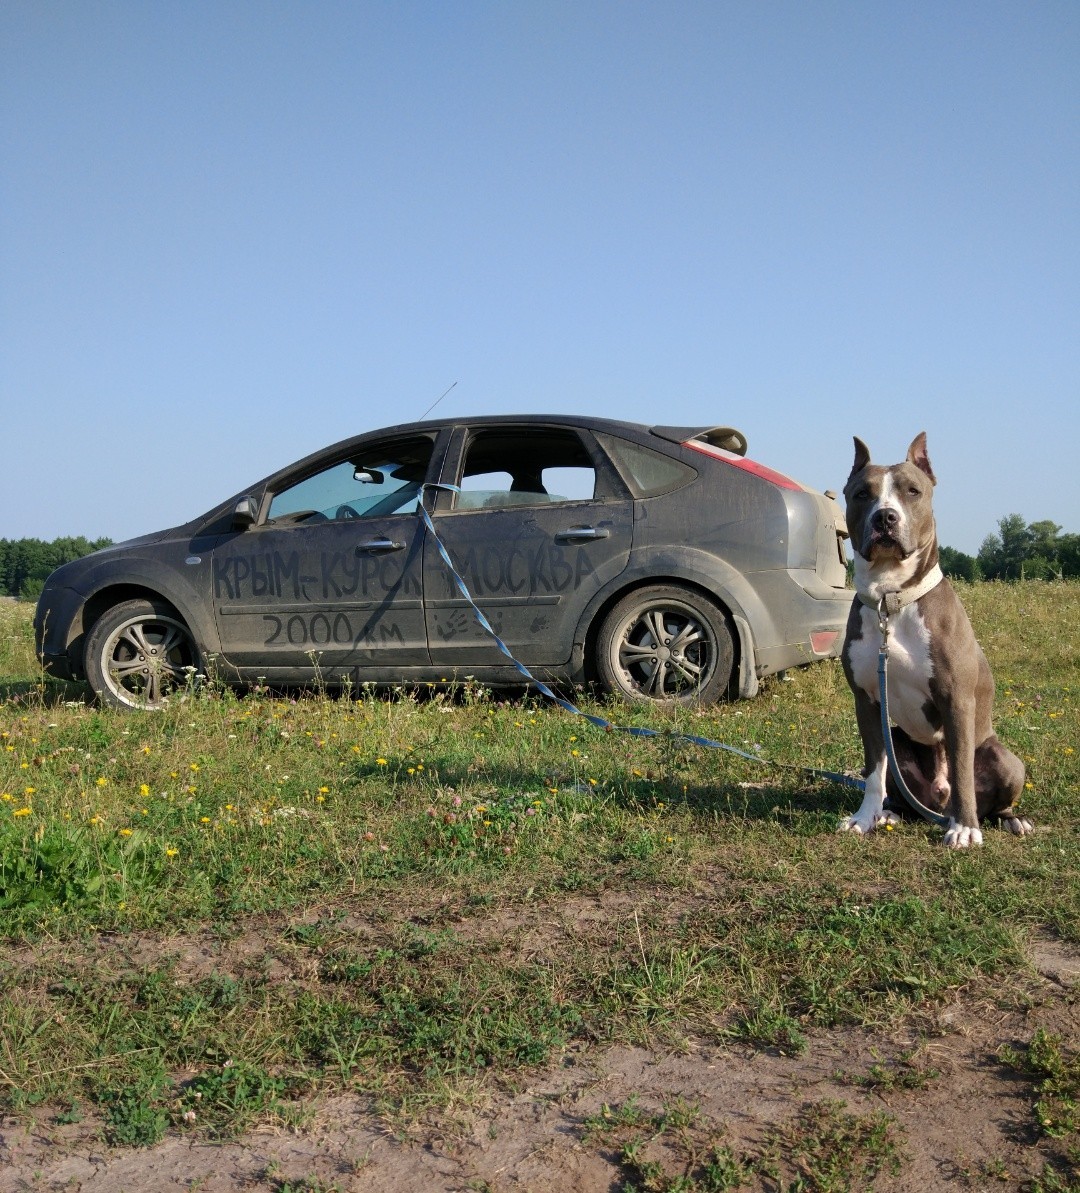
(577, 534)
(380, 545)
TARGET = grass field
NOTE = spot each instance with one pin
(366, 851)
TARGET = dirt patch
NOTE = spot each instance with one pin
(967, 1124)
(960, 1118)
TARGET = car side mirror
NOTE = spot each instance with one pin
(245, 512)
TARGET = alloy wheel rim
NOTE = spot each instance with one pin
(664, 652)
(146, 658)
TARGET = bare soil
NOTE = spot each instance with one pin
(969, 1127)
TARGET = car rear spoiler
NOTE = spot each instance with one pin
(725, 438)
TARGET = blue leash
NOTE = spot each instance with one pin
(603, 722)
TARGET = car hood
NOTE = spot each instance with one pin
(76, 573)
(143, 540)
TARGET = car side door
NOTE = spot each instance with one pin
(328, 583)
(541, 522)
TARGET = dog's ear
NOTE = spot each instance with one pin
(917, 455)
(862, 456)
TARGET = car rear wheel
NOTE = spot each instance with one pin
(137, 653)
(665, 644)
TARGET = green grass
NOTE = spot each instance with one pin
(396, 885)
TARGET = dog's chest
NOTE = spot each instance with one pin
(909, 669)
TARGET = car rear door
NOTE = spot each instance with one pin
(542, 522)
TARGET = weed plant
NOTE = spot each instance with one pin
(397, 889)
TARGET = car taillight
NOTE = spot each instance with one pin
(823, 641)
(751, 466)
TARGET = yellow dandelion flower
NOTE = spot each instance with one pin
(381, 762)
(144, 788)
(171, 852)
(102, 781)
(22, 812)
(125, 832)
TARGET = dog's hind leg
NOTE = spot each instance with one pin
(924, 770)
(999, 783)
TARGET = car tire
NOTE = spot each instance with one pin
(665, 644)
(137, 652)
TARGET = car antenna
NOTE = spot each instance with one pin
(436, 402)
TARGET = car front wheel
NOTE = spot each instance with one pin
(665, 644)
(137, 653)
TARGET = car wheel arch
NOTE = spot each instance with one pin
(741, 634)
(116, 593)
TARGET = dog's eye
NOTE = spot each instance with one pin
(914, 490)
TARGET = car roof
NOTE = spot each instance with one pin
(719, 436)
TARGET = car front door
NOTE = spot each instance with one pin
(542, 522)
(329, 584)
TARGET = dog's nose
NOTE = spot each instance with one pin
(885, 519)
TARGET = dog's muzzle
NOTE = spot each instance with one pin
(885, 532)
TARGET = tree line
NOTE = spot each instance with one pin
(1019, 551)
(26, 563)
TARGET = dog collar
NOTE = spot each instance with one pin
(892, 602)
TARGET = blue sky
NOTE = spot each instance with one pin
(235, 232)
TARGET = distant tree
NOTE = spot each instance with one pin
(958, 565)
(1023, 551)
(1068, 554)
(25, 563)
(1044, 538)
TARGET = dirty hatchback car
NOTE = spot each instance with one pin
(658, 562)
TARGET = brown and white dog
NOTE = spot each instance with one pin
(940, 689)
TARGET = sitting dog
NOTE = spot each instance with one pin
(940, 690)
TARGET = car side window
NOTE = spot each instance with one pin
(502, 469)
(649, 473)
(375, 483)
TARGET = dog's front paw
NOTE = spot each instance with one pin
(962, 836)
(864, 825)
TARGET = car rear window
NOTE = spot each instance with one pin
(648, 473)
